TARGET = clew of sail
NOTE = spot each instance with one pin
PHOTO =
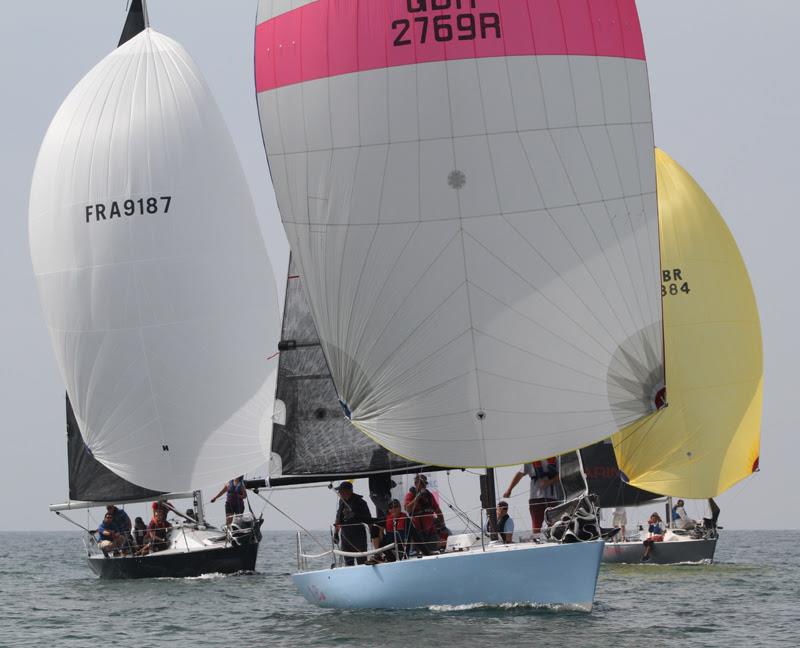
(708, 438)
(153, 276)
(469, 191)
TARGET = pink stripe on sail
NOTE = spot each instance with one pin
(331, 37)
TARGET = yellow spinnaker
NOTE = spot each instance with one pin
(708, 438)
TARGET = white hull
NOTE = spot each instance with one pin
(563, 575)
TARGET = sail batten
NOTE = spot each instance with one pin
(474, 215)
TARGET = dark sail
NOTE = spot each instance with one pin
(135, 22)
(317, 442)
(605, 481)
(91, 481)
(571, 476)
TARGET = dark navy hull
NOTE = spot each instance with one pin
(172, 564)
(663, 553)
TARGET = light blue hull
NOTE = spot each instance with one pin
(540, 575)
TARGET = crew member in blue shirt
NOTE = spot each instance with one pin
(109, 536)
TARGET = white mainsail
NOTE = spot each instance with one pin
(469, 189)
(153, 276)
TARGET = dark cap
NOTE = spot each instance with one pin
(421, 478)
(502, 505)
(344, 486)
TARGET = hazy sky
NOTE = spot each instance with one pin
(726, 94)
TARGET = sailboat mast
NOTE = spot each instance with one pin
(489, 499)
(136, 22)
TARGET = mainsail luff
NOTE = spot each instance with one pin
(476, 221)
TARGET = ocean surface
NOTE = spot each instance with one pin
(49, 597)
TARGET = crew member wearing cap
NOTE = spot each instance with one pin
(351, 516)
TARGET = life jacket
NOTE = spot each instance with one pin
(425, 514)
(235, 492)
(158, 533)
(401, 520)
(501, 523)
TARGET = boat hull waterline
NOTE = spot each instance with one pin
(178, 564)
(557, 575)
(663, 553)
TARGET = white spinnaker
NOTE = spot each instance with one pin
(478, 233)
(161, 304)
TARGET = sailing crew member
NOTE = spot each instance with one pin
(505, 525)
(236, 494)
(351, 516)
(139, 533)
(380, 492)
(656, 531)
(619, 518)
(122, 522)
(680, 519)
(544, 492)
(157, 537)
(109, 536)
(397, 529)
(427, 519)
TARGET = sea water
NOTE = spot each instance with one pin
(49, 597)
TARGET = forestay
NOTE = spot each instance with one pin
(152, 272)
(708, 438)
(468, 187)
